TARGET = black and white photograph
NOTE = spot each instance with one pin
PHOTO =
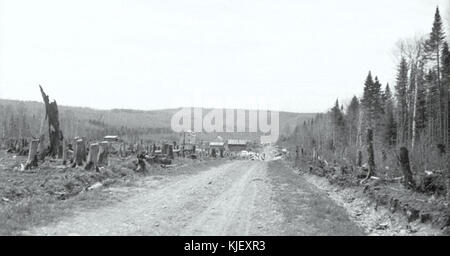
(224, 118)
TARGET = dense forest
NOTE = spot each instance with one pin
(411, 114)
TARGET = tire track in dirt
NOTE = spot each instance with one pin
(235, 212)
(170, 206)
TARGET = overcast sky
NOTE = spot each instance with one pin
(280, 54)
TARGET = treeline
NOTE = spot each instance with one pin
(22, 120)
(414, 113)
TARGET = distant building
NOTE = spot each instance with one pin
(217, 146)
(111, 138)
(237, 145)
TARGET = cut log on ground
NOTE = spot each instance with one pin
(32, 155)
(103, 155)
(406, 169)
(92, 160)
(55, 134)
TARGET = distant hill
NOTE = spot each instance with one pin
(24, 117)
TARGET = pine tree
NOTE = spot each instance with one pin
(445, 90)
(337, 119)
(377, 106)
(352, 118)
(366, 100)
(434, 47)
(421, 115)
(389, 123)
(401, 89)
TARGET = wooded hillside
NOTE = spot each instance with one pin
(21, 119)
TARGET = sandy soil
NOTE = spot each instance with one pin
(236, 198)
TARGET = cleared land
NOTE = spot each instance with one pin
(235, 198)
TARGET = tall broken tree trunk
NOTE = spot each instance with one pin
(371, 158)
(92, 160)
(32, 155)
(42, 149)
(406, 169)
(79, 153)
(448, 142)
(55, 134)
(103, 155)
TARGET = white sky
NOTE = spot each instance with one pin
(280, 54)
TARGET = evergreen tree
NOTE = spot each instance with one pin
(401, 89)
(389, 123)
(337, 119)
(421, 104)
(377, 106)
(445, 90)
(434, 47)
(366, 100)
(352, 118)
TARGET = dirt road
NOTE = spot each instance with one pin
(236, 198)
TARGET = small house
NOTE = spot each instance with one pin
(217, 147)
(237, 145)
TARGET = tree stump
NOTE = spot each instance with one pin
(121, 150)
(359, 160)
(92, 160)
(103, 155)
(406, 169)
(80, 153)
(32, 155)
(141, 166)
(64, 152)
(171, 152)
(371, 158)
(314, 155)
(165, 149)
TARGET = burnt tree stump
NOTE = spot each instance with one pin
(64, 152)
(51, 114)
(32, 155)
(92, 160)
(406, 169)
